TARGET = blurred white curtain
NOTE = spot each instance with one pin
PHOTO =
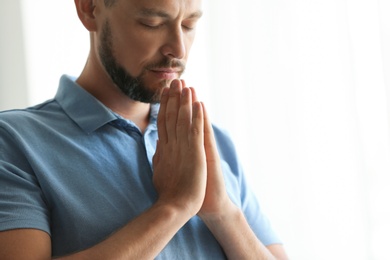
(303, 86)
(13, 88)
(304, 89)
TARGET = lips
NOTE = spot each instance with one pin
(166, 73)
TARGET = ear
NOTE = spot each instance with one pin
(85, 11)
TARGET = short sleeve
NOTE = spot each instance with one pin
(256, 218)
(22, 203)
(240, 191)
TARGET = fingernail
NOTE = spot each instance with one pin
(184, 92)
(195, 107)
(175, 83)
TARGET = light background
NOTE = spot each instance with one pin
(302, 86)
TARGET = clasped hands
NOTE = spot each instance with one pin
(187, 170)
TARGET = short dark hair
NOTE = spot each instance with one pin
(109, 3)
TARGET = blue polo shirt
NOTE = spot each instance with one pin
(74, 169)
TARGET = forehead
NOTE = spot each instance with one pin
(171, 8)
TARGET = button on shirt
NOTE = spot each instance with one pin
(76, 170)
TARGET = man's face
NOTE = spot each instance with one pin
(144, 45)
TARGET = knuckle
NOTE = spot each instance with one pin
(182, 123)
(196, 131)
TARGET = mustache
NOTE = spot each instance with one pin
(168, 63)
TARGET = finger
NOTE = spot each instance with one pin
(197, 126)
(162, 131)
(172, 109)
(183, 83)
(185, 115)
(194, 96)
(209, 140)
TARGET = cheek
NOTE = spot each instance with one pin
(134, 54)
(133, 51)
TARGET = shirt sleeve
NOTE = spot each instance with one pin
(256, 218)
(243, 194)
(22, 204)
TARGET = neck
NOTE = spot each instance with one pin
(99, 84)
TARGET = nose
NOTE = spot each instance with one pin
(174, 46)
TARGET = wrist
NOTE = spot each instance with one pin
(178, 211)
(228, 213)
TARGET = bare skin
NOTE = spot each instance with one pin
(186, 150)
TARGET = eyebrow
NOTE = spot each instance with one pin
(197, 14)
(151, 12)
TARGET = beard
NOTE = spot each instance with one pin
(133, 86)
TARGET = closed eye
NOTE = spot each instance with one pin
(189, 25)
(152, 25)
(188, 28)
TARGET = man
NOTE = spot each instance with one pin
(83, 175)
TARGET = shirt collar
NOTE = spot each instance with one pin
(85, 110)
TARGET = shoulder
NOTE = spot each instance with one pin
(25, 122)
(222, 136)
(14, 115)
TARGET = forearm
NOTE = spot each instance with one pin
(142, 238)
(236, 236)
